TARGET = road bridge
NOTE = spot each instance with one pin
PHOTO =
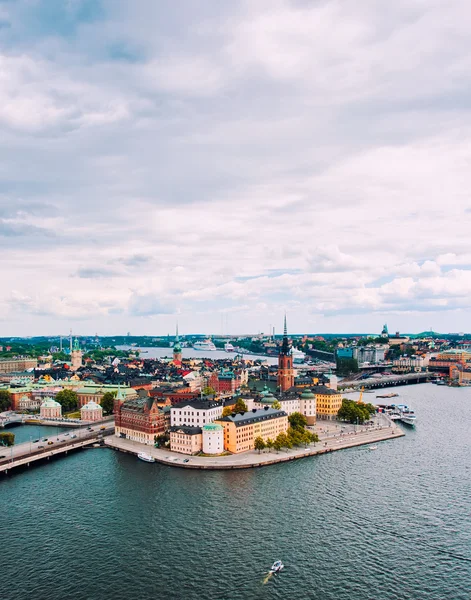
(388, 381)
(25, 454)
(11, 418)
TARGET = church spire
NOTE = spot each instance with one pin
(285, 345)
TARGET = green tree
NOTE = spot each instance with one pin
(355, 412)
(276, 405)
(107, 402)
(68, 399)
(346, 366)
(226, 411)
(295, 436)
(161, 440)
(7, 438)
(269, 443)
(297, 420)
(259, 444)
(283, 441)
(277, 445)
(209, 391)
(240, 406)
(5, 400)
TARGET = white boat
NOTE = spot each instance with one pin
(277, 566)
(228, 347)
(298, 355)
(405, 414)
(146, 457)
(374, 447)
(204, 345)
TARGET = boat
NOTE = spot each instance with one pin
(146, 457)
(405, 414)
(374, 447)
(228, 347)
(204, 345)
(441, 382)
(298, 355)
(388, 396)
(277, 566)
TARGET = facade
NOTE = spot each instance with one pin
(88, 392)
(285, 364)
(91, 412)
(328, 402)
(50, 409)
(241, 430)
(195, 413)
(213, 439)
(186, 440)
(139, 419)
(7, 365)
(28, 402)
(308, 406)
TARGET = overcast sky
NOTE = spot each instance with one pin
(222, 162)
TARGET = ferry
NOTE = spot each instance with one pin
(298, 355)
(405, 414)
(146, 457)
(228, 347)
(204, 345)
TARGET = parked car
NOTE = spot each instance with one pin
(36, 441)
(186, 460)
(39, 447)
(50, 443)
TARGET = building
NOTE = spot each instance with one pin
(91, 412)
(195, 413)
(50, 409)
(213, 438)
(27, 402)
(285, 364)
(7, 365)
(225, 381)
(76, 356)
(89, 391)
(241, 429)
(177, 351)
(328, 402)
(139, 419)
(186, 440)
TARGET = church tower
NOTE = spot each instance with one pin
(76, 356)
(177, 351)
(285, 364)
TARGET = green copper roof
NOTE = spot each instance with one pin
(307, 395)
(212, 427)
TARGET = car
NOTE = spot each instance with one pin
(186, 460)
(40, 446)
(73, 436)
(3, 456)
(36, 441)
(50, 443)
(66, 433)
(45, 439)
(102, 427)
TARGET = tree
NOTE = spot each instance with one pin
(276, 405)
(345, 366)
(107, 402)
(355, 412)
(259, 444)
(68, 399)
(240, 406)
(277, 445)
(282, 441)
(209, 391)
(5, 400)
(297, 420)
(161, 440)
(7, 438)
(269, 443)
(226, 411)
(295, 436)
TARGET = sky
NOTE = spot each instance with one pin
(222, 163)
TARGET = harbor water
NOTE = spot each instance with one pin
(389, 524)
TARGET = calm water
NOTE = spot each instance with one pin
(353, 525)
(192, 353)
(23, 433)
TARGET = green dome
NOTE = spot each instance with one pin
(177, 347)
(212, 427)
(307, 395)
(49, 403)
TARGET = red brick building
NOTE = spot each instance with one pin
(285, 364)
(140, 419)
(174, 395)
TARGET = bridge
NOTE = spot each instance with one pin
(11, 418)
(23, 455)
(388, 381)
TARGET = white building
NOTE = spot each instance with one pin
(50, 409)
(213, 439)
(27, 403)
(195, 413)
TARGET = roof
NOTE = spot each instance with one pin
(185, 429)
(254, 416)
(49, 403)
(91, 406)
(324, 390)
(212, 427)
(198, 404)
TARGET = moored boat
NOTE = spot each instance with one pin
(204, 345)
(146, 457)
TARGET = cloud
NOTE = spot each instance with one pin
(240, 159)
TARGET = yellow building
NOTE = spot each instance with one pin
(241, 429)
(186, 440)
(328, 402)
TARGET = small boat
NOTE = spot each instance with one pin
(374, 447)
(277, 566)
(228, 347)
(146, 457)
(388, 396)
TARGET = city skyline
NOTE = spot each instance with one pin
(224, 164)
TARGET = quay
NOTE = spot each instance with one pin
(25, 454)
(252, 459)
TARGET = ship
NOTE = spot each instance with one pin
(146, 457)
(204, 345)
(298, 355)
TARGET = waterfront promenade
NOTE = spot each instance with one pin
(330, 435)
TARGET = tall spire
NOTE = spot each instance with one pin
(285, 345)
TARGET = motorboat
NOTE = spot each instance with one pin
(228, 347)
(277, 566)
(146, 457)
(374, 447)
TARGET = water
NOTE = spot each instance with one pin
(23, 433)
(192, 353)
(352, 525)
